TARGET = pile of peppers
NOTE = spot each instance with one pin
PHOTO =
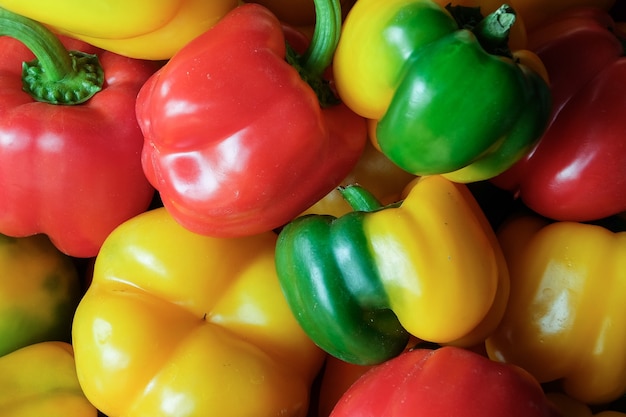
(313, 208)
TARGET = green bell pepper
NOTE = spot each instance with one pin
(429, 267)
(446, 94)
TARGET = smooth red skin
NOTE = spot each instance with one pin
(577, 171)
(71, 172)
(236, 143)
(448, 381)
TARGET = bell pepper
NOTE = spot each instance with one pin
(362, 283)
(374, 172)
(564, 177)
(39, 292)
(176, 323)
(565, 319)
(40, 380)
(448, 381)
(70, 163)
(446, 94)
(336, 377)
(138, 29)
(236, 141)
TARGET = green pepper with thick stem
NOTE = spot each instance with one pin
(362, 283)
(444, 91)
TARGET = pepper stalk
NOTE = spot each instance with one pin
(492, 31)
(318, 56)
(56, 75)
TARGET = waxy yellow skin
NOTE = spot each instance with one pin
(176, 323)
(565, 319)
(40, 380)
(379, 49)
(454, 286)
(136, 28)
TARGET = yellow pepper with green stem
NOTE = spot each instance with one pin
(430, 266)
(175, 323)
(136, 28)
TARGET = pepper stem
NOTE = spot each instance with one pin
(492, 31)
(326, 34)
(319, 55)
(56, 75)
(359, 198)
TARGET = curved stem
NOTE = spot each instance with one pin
(359, 198)
(56, 75)
(319, 55)
(326, 34)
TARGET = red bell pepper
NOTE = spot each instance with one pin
(448, 381)
(236, 142)
(577, 171)
(69, 168)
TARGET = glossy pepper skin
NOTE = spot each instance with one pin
(138, 28)
(236, 141)
(448, 381)
(336, 378)
(175, 322)
(39, 292)
(72, 172)
(442, 103)
(565, 316)
(564, 177)
(40, 380)
(361, 283)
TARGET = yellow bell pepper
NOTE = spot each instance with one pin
(179, 324)
(40, 380)
(429, 267)
(136, 28)
(566, 316)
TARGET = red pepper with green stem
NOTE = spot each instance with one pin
(236, 141)
(70, 162)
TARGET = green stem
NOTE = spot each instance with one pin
(56, 76)
(359, 198)
(492, 31)
(326, 34)
(319, 55)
